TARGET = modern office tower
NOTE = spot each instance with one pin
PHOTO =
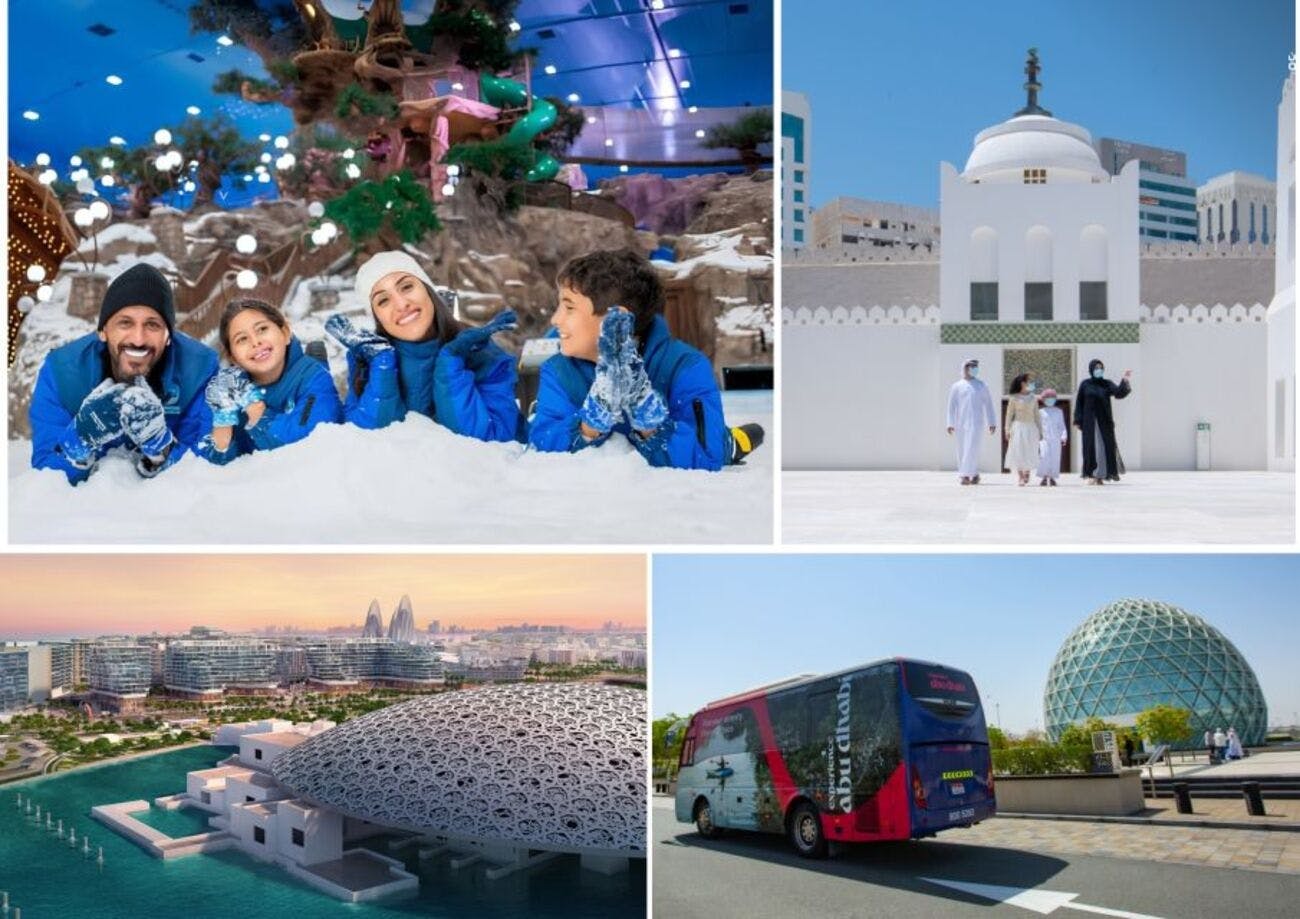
(435, 627)
(372, 661)
(119, 674)
(402, 626)
(374, 627)
(290, 664)
(14, 683)
(1238, 207)
(848, 222)
(1167, 199)
(61, 680)
(796, 170)
(208, 668)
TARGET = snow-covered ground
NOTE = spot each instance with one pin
(931, 508)
(411, 483)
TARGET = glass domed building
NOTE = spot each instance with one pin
(1133, 654)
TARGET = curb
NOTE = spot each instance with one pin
(1289, 827)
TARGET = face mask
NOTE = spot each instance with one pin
(1049, 402)
(973, 371)
(1033, 387)
(1098, 372)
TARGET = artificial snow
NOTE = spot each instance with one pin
(410, 483)
(721, 253)
(129, 232)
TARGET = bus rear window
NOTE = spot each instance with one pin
(941, 690)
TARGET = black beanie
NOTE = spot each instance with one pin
(139, 285)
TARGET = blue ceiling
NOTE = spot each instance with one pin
(616, 53)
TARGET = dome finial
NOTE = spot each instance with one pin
(1032, 87)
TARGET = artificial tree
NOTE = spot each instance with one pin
(744, 135)
(382, 215)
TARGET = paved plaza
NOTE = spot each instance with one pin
(1204, 508)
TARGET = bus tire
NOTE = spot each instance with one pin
(805, 830)
(704, 824)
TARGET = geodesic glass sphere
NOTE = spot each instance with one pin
(1133, 654)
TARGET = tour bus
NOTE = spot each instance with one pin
(895, 749)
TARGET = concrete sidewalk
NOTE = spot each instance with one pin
(1220, 813)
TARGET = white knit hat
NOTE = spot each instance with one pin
(381, 265)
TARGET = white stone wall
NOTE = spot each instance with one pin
(1281, 377)
(1064, 211)
(322, 833)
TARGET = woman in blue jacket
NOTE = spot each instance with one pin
(421, 359)
(273, 394)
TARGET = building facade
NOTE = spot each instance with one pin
(796, 170)
(1166, 197)
(209, 668)
(1281, 309)
(119, 674)
(850, 223)
(1237, 207)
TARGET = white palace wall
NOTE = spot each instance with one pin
(867, 389)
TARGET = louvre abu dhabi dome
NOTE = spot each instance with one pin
(556, 766)
(1133, 654)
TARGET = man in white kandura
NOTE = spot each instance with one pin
(970, 408)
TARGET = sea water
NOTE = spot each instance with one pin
(46, 877)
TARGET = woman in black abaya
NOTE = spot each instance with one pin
(1093, 418)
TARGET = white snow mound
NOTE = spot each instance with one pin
(410, 483)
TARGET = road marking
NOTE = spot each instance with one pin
(1043, 902)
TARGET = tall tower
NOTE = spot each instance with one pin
(374, 622)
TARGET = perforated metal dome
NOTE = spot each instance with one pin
(559, 767)
(1133, 654)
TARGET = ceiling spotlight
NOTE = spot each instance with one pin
(225, 41)
(99, 210)
(685, 84)
(622, 167)
(117, 141)
(609, 141)
(458, 87)
(591, 119)
(264, 138)
(192, 110)
(246, 279)
(162, 137)
(549, 69)
(656, 4)
(113, 80)
(42, 159)
(574, 97)
(514, 26)
(246, 244)
(699, 132)
(693, 109)
(248, 177)
(74, 160)
(674, 52)
(32, 115)
(266, 157)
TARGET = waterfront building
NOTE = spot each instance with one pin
(206, 669)
(796, 170)
(119, 674)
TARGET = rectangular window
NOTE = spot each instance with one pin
(798, 236)
(983, 301)
(205, 797)
(1038, 301)
(798, 175)
(1034, 176)
(297, 837)
(1092, 301)
(257, 753)
(798, 215)
(259, 835)
(798, 196)
(846, 239)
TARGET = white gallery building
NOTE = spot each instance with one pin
(1041, 269)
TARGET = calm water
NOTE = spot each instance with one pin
(48, 878)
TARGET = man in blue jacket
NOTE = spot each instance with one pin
(134, 383)
(619, 370)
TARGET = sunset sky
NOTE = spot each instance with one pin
(86, 595)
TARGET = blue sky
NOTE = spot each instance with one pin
(724, 623)
(897, 87)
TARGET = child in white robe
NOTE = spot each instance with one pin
(1054, 437)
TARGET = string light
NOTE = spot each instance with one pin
(246, 244)
(246, 279)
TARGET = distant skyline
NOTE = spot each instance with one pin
(52, 596)
(723, 624)
(897, 88)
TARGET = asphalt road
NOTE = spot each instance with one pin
(756, 875)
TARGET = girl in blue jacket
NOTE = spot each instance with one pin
(273, 394)
(421, 359)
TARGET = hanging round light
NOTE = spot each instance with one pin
(246, 279)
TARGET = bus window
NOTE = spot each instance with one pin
(688, 751)
(940, 690)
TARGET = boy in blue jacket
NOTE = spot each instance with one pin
(134, 383)
(421, 359)
(619, 370)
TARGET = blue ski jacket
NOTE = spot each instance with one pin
(693, 437)
(302, 398)
(472, 395)
(72, 370)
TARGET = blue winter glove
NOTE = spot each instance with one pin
(615, 336)
(228, 393)
(98, 421)
(366, 345)
(144, 421)
(645, 408)
(471, 340)
(603, 407)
